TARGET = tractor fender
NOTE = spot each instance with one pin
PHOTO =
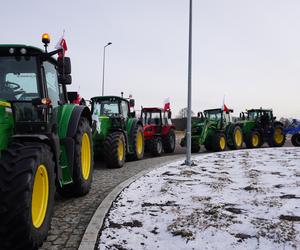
(52, 140)
(68, 142)
(277, 123)
(77, 113)
(166, 129)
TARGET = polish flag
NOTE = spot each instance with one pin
(225, 108)
(62, 44)
(167, 104)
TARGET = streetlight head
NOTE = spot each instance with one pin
(109, 43)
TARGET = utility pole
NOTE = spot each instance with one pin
(104, 67)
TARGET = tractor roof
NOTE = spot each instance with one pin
(216, 110)
(4, 49)
(152, 109)
(259, 110)
(109, 97)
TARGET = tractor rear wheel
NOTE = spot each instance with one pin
(83, 162)
(115, 150)
(27, 187)
(138, 143)
(219, 142)
(254, 140)
(237, 138)
(169, 142)
(296, 140)
(278, 138)
(156, 146)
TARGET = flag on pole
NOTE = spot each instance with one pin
(224, 107)
(167, 104)
(62, 44)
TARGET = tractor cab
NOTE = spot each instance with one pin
(219, 117)
(30, 84)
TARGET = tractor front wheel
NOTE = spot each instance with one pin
(27, 187)
(219, 142)
(296, 140)
(156, 147)
(237, 138)
(169, 142)
(83, 162)
(254, 140)
(115, 150)
(138, 143)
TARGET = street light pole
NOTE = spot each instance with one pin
(104, 67)
(189, 110)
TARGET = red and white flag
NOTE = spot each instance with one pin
(224, 107)
(62, 44)
(167, 104)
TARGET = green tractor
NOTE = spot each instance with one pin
(260, 126)
(214, 129)
(117, 134)
(45, 143)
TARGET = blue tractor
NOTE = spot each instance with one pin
(294, 130)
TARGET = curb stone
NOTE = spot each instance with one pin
(90, 236)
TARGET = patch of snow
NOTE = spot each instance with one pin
(245, 199)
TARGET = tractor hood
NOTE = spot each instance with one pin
(101, 125)
(6, 123)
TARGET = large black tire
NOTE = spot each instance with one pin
(219, 142)
(114, 148)
(26, 170)
(156, 146)
(253, 140)
(169, 142)
(138, 143)
(296, 140)
(278, 137)
(236, 138)
(195, 146)
(83, 162)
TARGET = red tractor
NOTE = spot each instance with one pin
(159, 132)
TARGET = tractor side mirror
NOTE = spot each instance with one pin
(64, 65)
(132, 114)
(200, 115)
(131, 103)
(65, 79)
(169, 114)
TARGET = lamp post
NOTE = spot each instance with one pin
(104, 67)
(189, 110)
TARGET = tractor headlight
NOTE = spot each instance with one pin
(11, 50)
(23, 51)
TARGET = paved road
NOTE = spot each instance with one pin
(71, 216)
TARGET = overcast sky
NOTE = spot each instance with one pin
(247, 50)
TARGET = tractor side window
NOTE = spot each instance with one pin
(52, 83)
(124, 107)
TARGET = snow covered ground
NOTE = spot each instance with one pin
(246, 199)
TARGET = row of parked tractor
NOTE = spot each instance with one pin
(216, 130)
(48, 143)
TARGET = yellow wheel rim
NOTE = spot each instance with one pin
(139, 143)
(238, 137)
(85, 156)
(255, 140)
(278, 136)
(121, 150)
(222, 143)
(40, 195)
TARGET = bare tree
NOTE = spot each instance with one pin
(183, 113)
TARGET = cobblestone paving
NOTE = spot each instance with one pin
(71, 216)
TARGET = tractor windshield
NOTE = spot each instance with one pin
(106, 108)
(151, 117)
(18, 78)
(213, 115)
